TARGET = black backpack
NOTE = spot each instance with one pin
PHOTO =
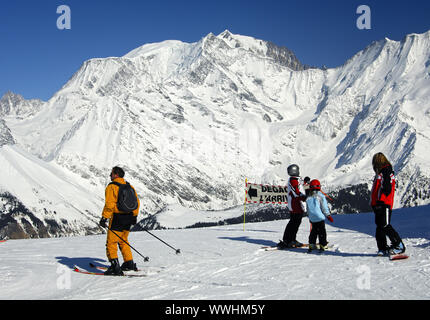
(127, 200)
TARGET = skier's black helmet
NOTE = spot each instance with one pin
(293, 170)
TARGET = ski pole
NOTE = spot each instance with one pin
(144, 258)
(176, 250)
(326, 196)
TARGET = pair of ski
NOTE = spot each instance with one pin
(304, 245)
(101, 270)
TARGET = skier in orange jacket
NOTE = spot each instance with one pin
(120, 222)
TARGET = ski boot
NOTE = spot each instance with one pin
(282, 245)
(297, 244)
(312, 246)
(382, 253)
(397, 249)
(114, 269)
(129, 266)
(323, 248)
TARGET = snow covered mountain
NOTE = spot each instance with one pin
(189, 122)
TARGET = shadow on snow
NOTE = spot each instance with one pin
(335, 252)
(261, 242)
(81, 262)
(408, 222)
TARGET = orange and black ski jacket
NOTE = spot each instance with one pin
(383, 188)
(110, 210)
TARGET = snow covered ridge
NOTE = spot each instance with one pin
(190, 121)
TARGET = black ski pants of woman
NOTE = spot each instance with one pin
(384, 228)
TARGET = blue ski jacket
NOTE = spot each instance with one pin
(317, 207)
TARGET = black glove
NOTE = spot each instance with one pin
(102, 222)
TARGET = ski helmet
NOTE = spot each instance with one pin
(315, 185)
(293, 170)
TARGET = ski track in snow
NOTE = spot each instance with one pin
(227, 263)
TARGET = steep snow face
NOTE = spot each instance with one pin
(189, 122)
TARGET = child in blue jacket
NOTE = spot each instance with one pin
(317, 211)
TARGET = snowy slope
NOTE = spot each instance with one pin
(226, 262)
(53, 203)
(190, 121)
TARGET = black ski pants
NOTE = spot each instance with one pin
(384, 228)
(292, 227)
(318, 231)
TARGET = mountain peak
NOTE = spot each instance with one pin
(9, 101)
(13, 103)
(11, 95)
(236, 41)
(225, 34)
(280, 54)
(151, 48)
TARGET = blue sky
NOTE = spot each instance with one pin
(37, 59)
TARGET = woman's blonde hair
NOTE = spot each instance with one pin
(379, 161)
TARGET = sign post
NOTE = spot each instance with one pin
(244, 206)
